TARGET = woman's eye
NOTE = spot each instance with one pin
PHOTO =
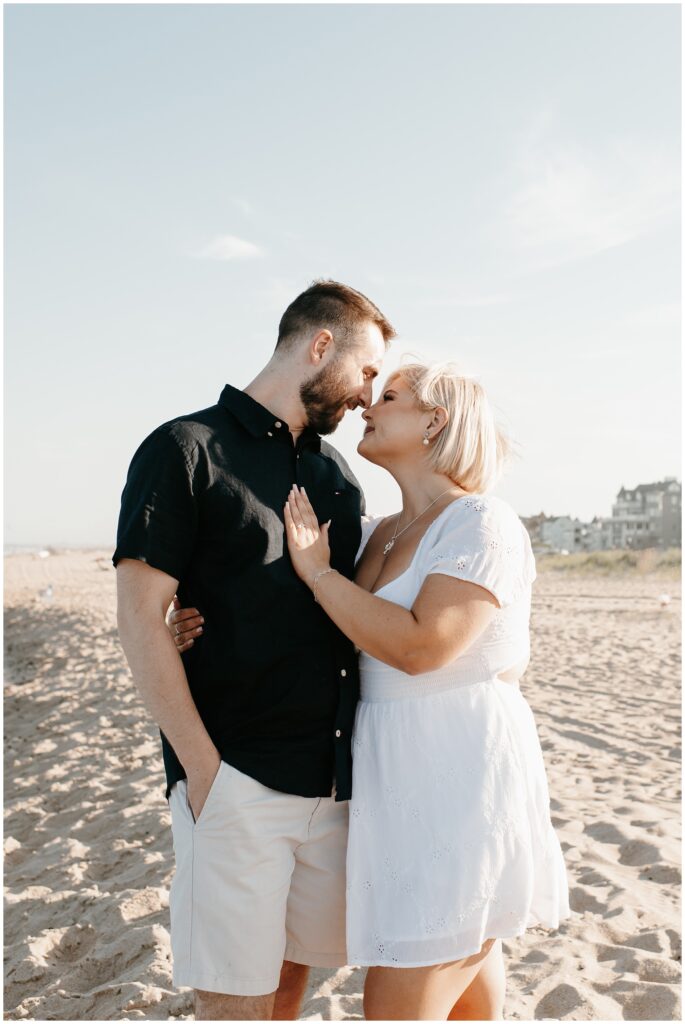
(387, 397)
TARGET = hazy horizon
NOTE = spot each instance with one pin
(503, 181)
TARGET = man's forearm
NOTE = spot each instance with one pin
(158, 672)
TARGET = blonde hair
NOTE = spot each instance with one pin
(470, 449)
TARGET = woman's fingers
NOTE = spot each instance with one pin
(289, 520)
(186, 630)
(305, 510)
(185, 625)
(185, 640)
(183, 614)
(296, 516)
(301, 524)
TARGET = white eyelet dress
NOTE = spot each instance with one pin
(451, 841)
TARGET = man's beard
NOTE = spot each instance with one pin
(323, 397)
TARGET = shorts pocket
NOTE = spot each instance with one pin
(209, 801)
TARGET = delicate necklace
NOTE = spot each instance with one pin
(395, 535)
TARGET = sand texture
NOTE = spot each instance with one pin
(87, 839)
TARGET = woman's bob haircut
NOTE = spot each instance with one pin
(470, 449)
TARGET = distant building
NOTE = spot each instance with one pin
(645, 516)
(562, 533)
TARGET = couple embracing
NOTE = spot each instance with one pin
(353, 774)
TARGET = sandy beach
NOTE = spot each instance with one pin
(88, 847)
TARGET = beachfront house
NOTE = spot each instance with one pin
(562, 533)
(645, 516)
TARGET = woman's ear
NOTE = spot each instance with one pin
(440, 419)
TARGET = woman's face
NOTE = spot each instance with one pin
(394, 425)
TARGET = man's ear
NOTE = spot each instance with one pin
(320, 344)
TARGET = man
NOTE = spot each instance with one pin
(256, 720)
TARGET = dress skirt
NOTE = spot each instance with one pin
(451, 841)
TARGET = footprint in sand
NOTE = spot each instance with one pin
(605, 832)
(596, 878)
(649, 1002)
(561, 1001)
(66, 945)
(536, 956)
(636, 853)
(657, 970)
(652, 942)
(663, 874)
(676, 944)
(585, 902)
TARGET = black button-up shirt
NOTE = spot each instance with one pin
(274, 680)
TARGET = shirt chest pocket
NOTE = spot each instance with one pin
(337, 503)
(343, 508)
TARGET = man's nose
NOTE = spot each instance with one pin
(366, 396)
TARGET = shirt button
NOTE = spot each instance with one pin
(278, 423)
(269, 433)
(338, 734)
(343, 671)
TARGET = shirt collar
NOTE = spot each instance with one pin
(258, 420)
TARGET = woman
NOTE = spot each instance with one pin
(451, 847)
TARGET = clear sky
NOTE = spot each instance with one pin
(503, 181)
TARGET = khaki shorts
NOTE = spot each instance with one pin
(260, 878)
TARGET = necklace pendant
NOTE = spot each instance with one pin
(388, 546)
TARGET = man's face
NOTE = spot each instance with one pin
(344, 382)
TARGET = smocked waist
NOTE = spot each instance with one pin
(385, 683)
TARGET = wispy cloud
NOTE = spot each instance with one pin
(242, 205)
(277, 293)
(602, 353)
(568, 202)
(468, 300)
(229, 247)
(443, 292)
(664, 315)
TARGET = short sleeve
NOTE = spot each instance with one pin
(159, 514)
(483, 541)
(369, 524)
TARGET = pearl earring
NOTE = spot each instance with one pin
(425, 439)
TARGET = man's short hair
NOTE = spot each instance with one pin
(329, 305)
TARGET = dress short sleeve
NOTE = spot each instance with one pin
(159, 514)
(369, 524)
(483, 541)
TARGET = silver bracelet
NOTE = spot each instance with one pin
(316, 580)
